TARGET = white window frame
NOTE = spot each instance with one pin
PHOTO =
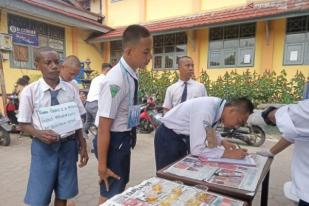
(237, 48)
(164, 54)
(300, 42)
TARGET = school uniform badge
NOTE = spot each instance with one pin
(114, 89)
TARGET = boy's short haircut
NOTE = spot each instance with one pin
(22, 81)
(26, 77)
(242, 103)
(72, 60)
(133, 34)
(106, 66)
(37, 52)
(183, 57)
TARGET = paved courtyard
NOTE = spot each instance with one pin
(14, 165)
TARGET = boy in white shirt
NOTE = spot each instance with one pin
(292, 121)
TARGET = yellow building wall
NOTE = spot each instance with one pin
(122, 13)
(209, 5)
(126, 12)
(83, 50)
(163, 9)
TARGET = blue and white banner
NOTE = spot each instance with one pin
(24, 35)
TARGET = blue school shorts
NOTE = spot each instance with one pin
(118, 160)
(169, 146)
(53, 168)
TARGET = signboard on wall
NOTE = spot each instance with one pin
(24, 35)
(56, 44)
(5, 42)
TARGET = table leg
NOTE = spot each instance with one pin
(264, 193)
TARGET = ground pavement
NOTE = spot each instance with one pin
(15, 159)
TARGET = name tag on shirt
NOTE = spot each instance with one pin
(62, 118)
(133, 117)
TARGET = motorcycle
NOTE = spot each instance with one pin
(5, 129)
(9, 124)
(12, 108)
(150, 116)
(252, 135)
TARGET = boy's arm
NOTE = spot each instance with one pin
(281, 145)
(211, 137)
(214, 139)
(46, 136)
(82, 148)
(104, 127)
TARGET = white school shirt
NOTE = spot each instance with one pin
(37, 95)
(75, 84)
(95, 88)
(80, 105)
(174, 92)
(191, 118)
(293, 123)
(116, 95)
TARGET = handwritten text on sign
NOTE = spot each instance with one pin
(62, 118)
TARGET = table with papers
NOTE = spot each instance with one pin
(238, 180)
(160, 192)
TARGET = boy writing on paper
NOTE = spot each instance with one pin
(186, 128)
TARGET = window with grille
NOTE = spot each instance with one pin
(167, 49)
(115, 52)
(28, 35)
(232, 46)
(296, 51)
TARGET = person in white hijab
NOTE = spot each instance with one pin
(293, 123)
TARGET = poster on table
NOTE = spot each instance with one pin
(226, 174)
(160, 192)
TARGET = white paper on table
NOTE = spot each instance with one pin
(293, 55)
(247, 58)
(247, 161)
(62, 118)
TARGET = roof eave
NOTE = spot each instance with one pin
(287, 14)
(63, 6)
(28, 9)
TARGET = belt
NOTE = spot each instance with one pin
(68, 138)
(61, 140)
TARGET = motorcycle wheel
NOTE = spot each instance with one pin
(145, 127)
(5, 138)
(257, 136)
